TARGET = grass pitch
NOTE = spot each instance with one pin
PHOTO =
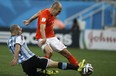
(104, 62)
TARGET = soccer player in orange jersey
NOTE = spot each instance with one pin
(45, 33)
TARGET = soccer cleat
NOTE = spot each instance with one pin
(81, 65)
(49, 72)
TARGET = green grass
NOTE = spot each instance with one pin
(104, 62)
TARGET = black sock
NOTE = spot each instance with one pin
(67, 66)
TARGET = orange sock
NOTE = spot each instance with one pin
(73, 60)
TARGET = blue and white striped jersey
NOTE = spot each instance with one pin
(25, 52)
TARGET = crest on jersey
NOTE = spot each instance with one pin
(43, 19)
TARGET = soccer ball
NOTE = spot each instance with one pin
(87, 70)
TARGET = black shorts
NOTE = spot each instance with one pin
(30, 66)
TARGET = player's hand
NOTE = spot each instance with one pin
(26, 22)
(14, 62)
(42, 42)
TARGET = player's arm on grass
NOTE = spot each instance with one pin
(16, 54)
(27, 22)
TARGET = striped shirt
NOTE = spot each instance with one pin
(24, 53)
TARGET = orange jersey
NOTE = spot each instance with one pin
(45, 17)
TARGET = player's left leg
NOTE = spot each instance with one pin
(58, 46)
(67, 66)
(61, 65)
(48, 63)
(69, 56)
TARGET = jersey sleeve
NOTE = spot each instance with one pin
(43, 17)
(19, 40)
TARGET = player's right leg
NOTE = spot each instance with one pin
(46, 49)
(48, 53)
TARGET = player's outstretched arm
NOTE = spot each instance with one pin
(27, 22)
(16, 54)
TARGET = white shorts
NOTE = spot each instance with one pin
(54, 43)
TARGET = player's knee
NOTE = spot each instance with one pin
(48, 54)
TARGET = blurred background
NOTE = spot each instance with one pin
(85, 24)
